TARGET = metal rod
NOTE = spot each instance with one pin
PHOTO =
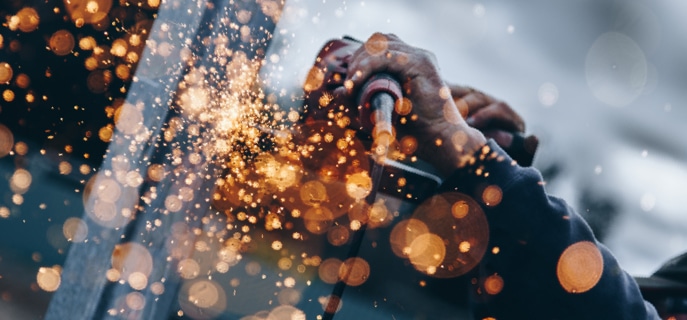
(384, 103)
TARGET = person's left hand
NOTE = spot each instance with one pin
(496, 120)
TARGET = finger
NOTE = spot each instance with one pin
(497, 115)
(476, 99)
(376, 44)
(500, 114)
(458, 91)
(469, 103)
(523, 149)
(401, 64)
(387, 53)
(502, 138)
(339, 93)
(469, 100)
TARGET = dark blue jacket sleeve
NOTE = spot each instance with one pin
(543, 261)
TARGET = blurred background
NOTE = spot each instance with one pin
(601, 83)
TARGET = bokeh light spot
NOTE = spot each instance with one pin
(188, 268)
(408, 145)
(313, 193)
(404, 233)
(458, 238)
(329, 270)
(460, 209)
(137, 280)
(548, 94)
(492, 195)
(580, 267)
(88, 11)
(338, 235)
(131, 257)
(20, 181)
(75, 230)
(28, 19)
(202, 299)
(354, 271)
(493, 284)
(286, 312)
(616, 69)
(377, 44)
(48, 279)
(6, 72)
(135, 301)
(314, 80)
(426, 251)
(5, 212)
(403, 106)
(61, 42)
(318, 219)
(358, 185)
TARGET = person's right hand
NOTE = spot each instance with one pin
(444, 139)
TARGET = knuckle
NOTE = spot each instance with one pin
(426, 56)
(432, 57)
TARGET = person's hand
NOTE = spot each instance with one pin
(443, 137)
(496, 120)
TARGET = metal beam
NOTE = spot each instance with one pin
(85, 292)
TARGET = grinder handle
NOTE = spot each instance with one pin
(375, 110)
(376, 101)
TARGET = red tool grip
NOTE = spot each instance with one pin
(379, 83)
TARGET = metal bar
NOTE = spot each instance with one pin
(380, 101)
(85, 291)
(83, 286)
